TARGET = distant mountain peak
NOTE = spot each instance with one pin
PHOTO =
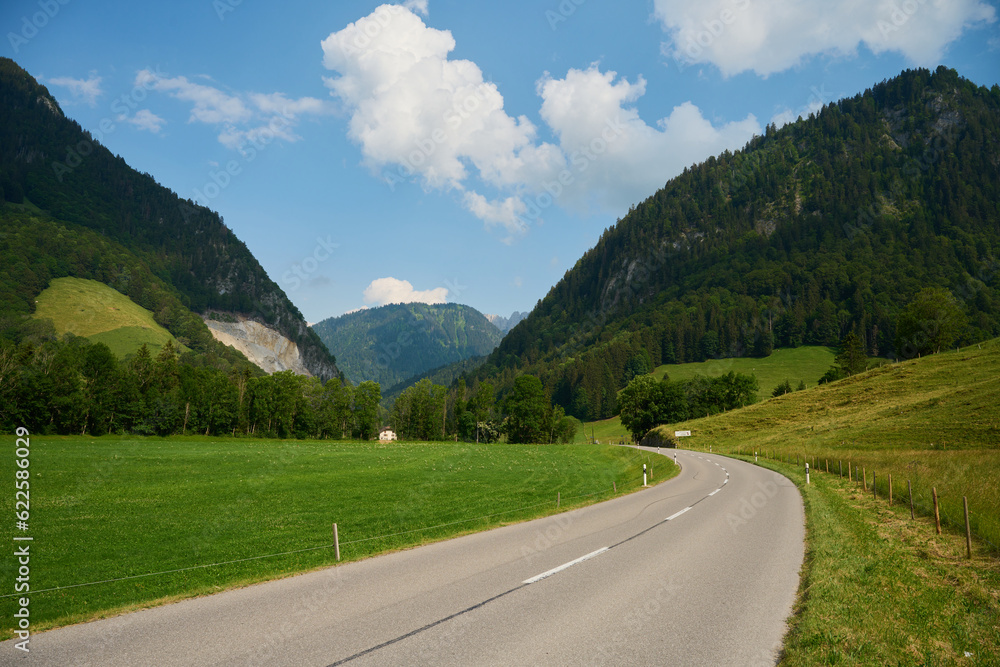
(505, 324)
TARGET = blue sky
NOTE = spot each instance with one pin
(456, 151)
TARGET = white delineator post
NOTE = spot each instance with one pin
(807, 473)
(644, 474)
(336, 541)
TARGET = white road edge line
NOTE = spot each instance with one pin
(674, 516)
(562, 567)
(715, 492)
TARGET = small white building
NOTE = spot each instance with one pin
(387, 435)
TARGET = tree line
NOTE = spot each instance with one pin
(72, 386)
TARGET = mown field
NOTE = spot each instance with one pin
(800, 364)
(933, 421)
(117, 509)
(94, 310)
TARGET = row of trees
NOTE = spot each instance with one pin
(526, 415)
(647, 402)
(72, 386)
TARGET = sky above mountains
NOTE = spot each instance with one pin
(439, 150)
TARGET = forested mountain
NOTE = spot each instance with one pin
(394, 343)
(174, 246)
(828, 225)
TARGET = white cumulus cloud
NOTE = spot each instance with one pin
(419, 115)
(768, 36)
(391, 290)
(614, 158)
(83, 90)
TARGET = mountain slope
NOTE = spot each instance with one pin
(49, 161)
(830, 224)
(94, 310)
(396, 342)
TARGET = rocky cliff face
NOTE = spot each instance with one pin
(263, 346)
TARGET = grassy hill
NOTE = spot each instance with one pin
(934, 421)
(94, 310)
(806, 364)
(800, 364)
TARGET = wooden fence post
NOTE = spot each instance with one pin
(909, 488)
(937, 514)
(336, 541)
(968, 531)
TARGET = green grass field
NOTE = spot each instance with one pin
(799, 364)
(806, 364)
(106, 509)
(934, 421)
(94, 310)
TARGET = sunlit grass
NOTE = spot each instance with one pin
(933, 421)
(110, 508)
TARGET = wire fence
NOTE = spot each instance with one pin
(906, 488)
(616, 489)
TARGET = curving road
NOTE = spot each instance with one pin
(700, 570)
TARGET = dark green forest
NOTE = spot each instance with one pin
(829, 225)
(72, 386)
(48, 161)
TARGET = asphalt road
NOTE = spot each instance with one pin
(700, 570)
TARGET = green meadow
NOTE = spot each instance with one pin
(799, 364)
(934, 422)
(114, 510)
(103, 315)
